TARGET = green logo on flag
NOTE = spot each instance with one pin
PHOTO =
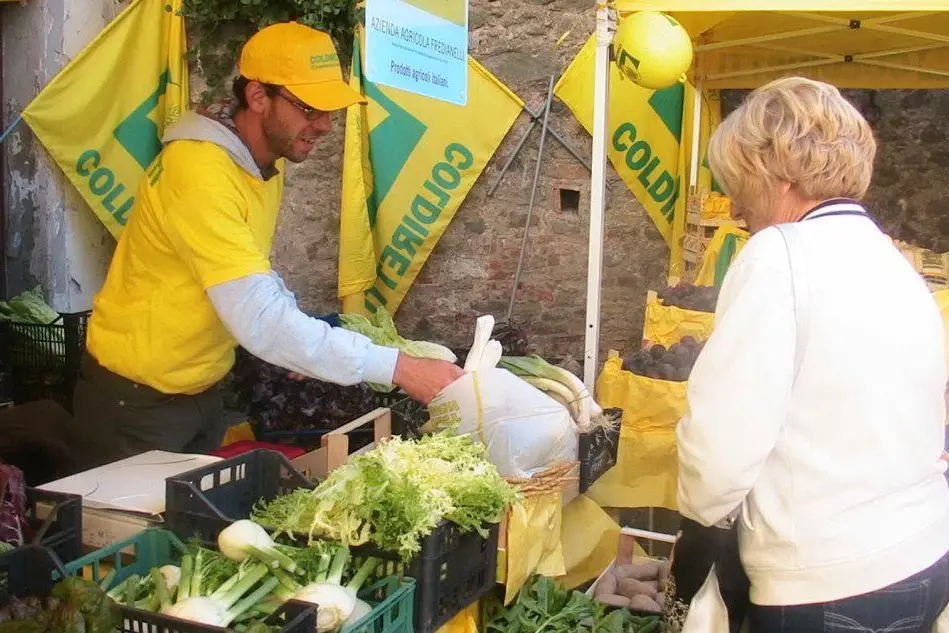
(399, 134)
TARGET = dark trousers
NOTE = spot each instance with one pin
(696, 550)
(908, 606)
(117, 418)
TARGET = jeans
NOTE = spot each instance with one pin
(909, 606)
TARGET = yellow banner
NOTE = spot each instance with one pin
(102, 117)
(409, 163)
(644, 135)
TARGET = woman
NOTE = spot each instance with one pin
(816, 407)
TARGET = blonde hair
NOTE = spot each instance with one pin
(798, 131)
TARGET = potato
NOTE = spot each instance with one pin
(642, 570)
(606, 586)
(644, 604)
(654, 584)
(630, 587)
(613, 600)
(665, 568)
(627, 547)
(661, 600)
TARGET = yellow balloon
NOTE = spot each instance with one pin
(652, 49)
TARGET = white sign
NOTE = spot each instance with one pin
(419, 46)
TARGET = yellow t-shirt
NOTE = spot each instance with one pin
(199, 220)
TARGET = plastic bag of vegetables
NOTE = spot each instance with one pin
(525, 430)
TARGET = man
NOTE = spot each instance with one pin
(191, 277)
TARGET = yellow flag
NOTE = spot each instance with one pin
(102, 117)
(409, 163)
(646, 129)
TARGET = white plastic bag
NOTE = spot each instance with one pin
(707, 612)
(525, 430)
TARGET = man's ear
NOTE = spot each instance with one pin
(258, 100)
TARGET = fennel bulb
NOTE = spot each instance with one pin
(172, 575)
(336, 602)
(244, 539)
(203, 610)
(362, 609)
(228, 602)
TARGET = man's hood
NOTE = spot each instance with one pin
(197, 127)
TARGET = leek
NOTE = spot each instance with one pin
(582, 406)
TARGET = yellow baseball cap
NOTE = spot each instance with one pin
(301, 59)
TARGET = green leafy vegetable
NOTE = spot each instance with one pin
(28, 307)
(541, 606)
(381, 331)
(31, 308)
(396, 494)
(74, 606)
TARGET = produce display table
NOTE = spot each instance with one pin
(129, 504)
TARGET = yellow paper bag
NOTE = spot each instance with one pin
(533, 541)
(667, 325)
(237, 433)
(716, 207)
(647, 467)
(590, 540)
(467, 621)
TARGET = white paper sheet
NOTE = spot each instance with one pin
(136, 484)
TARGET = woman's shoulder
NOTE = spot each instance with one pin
(764, 250)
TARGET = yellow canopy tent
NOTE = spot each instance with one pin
(746, 43)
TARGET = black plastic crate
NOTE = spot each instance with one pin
(28, 571)
(204, 501)
(597, 453)
(452, 571)
(408, 415)
(61, 530)
(301, 618)
(43, 360)
(6, 389)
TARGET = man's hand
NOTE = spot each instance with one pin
(424, 378)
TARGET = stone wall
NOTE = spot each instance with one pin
(52, 238)
(472, 270)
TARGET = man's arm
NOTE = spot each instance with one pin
(263, 316)
(739, 388)
(208, 231)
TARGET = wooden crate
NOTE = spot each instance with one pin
(334, 446)
(699, 231)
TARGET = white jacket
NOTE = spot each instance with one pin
(843, 489)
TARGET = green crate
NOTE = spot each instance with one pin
(393, 597)
(150, 548)
(394, 610)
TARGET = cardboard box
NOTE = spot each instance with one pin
(123, 498)
(633, 533)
